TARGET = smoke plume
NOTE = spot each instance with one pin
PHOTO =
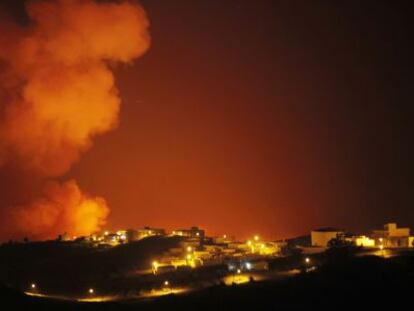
(58, 93)
(63, 208)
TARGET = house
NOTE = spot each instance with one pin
(321, 237)
(392, 236)
(148, 231)
(363, 241)
(193, 232)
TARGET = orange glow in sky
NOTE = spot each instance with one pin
(243, 118)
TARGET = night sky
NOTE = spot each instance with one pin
(268, 117)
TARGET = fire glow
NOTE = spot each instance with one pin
(60, 94)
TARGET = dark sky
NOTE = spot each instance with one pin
(269, 117)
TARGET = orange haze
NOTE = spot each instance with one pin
(60, 94)
(63, 208)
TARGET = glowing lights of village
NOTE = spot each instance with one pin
(246, 261)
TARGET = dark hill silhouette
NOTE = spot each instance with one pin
(73, 266)
(365, 282)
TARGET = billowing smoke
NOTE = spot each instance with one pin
(58, 93)
(63, 208)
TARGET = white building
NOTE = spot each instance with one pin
(363, 241)
(321, 237)
(392, 236)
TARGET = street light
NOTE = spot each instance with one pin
(307, 260)
(33, 286)
(167, 286)
(154, 266)
(235, 275)
(256, 238)
(91, 291)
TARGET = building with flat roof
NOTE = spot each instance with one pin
(363, 241)
(148, 231)
(193, 232)
(392, 236)
(321, 237)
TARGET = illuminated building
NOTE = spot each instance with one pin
(223, 239)
(111, 239)
(411, 241)
(193, 232)
(126, 236)
(364, 241)
(131, 235)
(148, 231)
(269, 248)
(393, 237)
(321, 237)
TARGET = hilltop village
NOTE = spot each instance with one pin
(151, 262)
(197, 249)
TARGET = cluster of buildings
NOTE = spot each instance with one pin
(124, 236)
(391, 236)
(197, 249)
(131, 235)
(194, 249)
